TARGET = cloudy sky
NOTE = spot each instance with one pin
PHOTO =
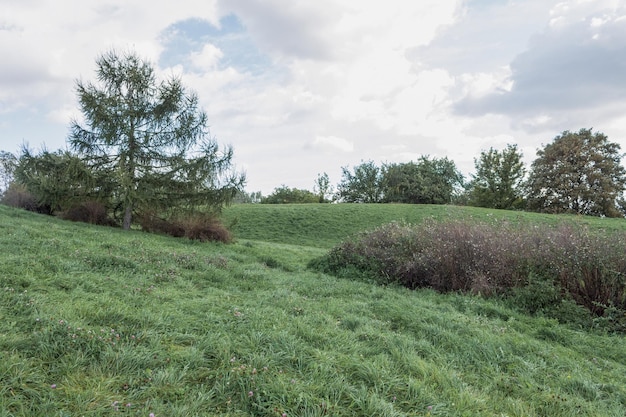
(302, 87)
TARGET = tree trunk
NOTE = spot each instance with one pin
(128, 214)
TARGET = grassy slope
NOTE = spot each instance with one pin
(93, 319)
(324, 225)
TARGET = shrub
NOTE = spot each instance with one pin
(202, 227)
(550, 269)
(18, 196)
(151, 223)
(205, 228)
(93, 212)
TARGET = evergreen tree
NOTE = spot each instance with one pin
(152, 138)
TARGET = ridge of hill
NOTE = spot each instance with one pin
(325, 225)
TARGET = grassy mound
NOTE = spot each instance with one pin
(326, 225)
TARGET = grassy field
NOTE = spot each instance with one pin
(101, 322)
(325, 225)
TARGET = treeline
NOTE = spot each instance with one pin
(578, 172)
(143, 156)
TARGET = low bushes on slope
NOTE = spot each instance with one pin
(200, 227)
(540, 267)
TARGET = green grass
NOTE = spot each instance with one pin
(93, 319)
(325, 225)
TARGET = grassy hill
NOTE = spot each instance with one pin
(325, 225)
(99, 322)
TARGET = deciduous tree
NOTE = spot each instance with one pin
(323, 188)
(498, 180)
(427, 181)
(8, 163)
(578, 172)
(286, 195)
(361, 185)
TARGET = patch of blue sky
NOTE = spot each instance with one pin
(485, 4)
(183, 38)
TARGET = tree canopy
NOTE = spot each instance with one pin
(286, 195)
(361, 185)
(58, 180)
(578, 172)
(427, 181)
(152, 138)
(498, 181)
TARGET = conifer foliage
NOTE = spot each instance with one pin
(152, 138)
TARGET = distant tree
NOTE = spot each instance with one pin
(323, 188)
(498, 181)
(152, 137)
(286, 195)
(578, 172)
(427, 181)
(401, 183)
(243, 197)
(442, 181)
(361, 185)
(8, 163)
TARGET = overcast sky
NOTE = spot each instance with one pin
(302, 87)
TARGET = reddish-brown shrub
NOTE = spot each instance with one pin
(151, 223)
(589, 268)
(195, 227)
(93, 212)
(206, 228)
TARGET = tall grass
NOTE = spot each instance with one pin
(99, 322)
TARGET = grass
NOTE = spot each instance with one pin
(101, 322)
(325, 225)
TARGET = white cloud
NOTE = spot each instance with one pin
(207, 59)
(573, 66)
(302, 87)
(332, 143)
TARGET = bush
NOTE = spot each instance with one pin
(18, 196)
(200, 227)
(151, 223)
(93, 212)
(205, 228)
(550, 269)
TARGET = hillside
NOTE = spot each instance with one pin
(97, 321)
(325, 225)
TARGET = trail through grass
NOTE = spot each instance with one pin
(95, 321)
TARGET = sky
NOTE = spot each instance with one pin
(304, 87)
